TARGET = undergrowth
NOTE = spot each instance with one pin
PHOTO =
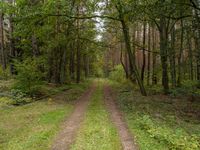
(160, 122)
(34, 126)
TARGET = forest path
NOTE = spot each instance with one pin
(70, 127)
(126, 138)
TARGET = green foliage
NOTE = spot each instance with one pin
(19, 97)
(118, 74)
(155, 89)
(176, 139)
(5, 101)
(188, 88)
(97, 66)
(4, 74)
(29, 77)
(160, 122)
(16, 97)
(5, 86)
(97, 72)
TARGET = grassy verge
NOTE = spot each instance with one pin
(8, 96)
(97, 132)
(160, 122)
(33, 126)
(54, 89)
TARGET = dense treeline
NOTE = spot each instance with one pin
(43, 32)
(59, 41)
(161, 38)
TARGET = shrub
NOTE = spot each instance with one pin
(5, 101)
(4, 74)
(19, 97)
(155, 89)
(118, 74)
(29, 77)
(189, 88)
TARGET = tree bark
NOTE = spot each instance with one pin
(190, 55)
(131, 58)
(122, 63)
(35, 48)
(179, 80)
(3, 54)
(154, 76)
(13, 52)
(149, 56)
(78, 53)
(172, 58)
(143, 52)
(163, 53)
(125, 29)
(72, 62)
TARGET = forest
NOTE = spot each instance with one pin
(100, 74)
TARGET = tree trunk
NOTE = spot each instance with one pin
(78, 61)
(64, 65)
(149, 56)
(57, 50)
(125, 29)
(133, 51)
(143, 52)
(154, 76)
(35, 48)
(86, 65)
(190, 55)
(72, 62)
(172, 57)
(180, 56)
(12, 47)
(3, 54)
(127, 66)
(131, 56)
(197, 45)
(163, 53)
(122, 63)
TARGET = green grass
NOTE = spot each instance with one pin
(34, 126)
(97, 131)
(50, 89)
(160, 122)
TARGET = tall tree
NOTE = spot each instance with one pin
(143, 52)
(3, 53)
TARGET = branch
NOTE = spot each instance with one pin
(177, 18)
(194, 5)
(84, 17)
(43, 16)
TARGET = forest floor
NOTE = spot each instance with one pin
(34, 126)
(159, 122)
(103, 116)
